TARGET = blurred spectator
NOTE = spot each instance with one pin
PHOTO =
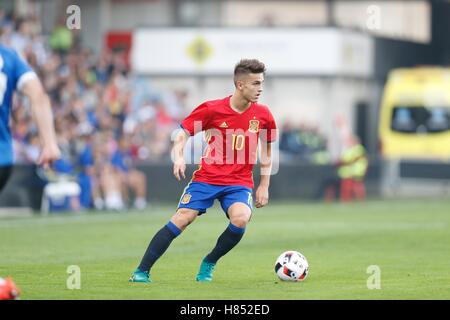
(21, 38)
(86, 176)
(130, 177)
(61, 192)
(352, 170)
(61, 39)
(347, 182)
(303, 143)
(106, 182)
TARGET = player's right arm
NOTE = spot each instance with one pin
(42, 114)
(25, 80)
(196, 122)
(179, 164)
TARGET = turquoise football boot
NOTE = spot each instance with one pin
(205, 272)
(140, 276)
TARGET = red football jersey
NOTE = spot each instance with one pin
(232, 139)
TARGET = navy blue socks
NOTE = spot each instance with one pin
(227, 240)
(164, 237)
(158, 245)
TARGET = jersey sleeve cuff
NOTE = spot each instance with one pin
(24, 78)
(186, 130)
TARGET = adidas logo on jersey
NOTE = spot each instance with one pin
(224, 125)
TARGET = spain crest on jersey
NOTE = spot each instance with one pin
(253, 126)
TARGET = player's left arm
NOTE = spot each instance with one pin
(43, 116)
(266, 138)
(262, 192)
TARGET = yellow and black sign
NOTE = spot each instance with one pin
(199, 50)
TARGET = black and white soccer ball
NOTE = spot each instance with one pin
(292, 266)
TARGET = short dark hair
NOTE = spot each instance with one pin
(246, 66)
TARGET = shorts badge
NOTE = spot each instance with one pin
(186, 198)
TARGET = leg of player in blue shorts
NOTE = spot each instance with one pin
(239, 214)
(236, 203)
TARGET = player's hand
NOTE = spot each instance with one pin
(179, 167)
(49, 154)
(262, 196)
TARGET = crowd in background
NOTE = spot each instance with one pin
(107, 119)
(303, 143)
(103, 126)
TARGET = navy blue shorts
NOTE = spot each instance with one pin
(200, 196)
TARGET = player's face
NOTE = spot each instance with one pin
(252, 86)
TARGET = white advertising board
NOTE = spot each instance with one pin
(285, 51)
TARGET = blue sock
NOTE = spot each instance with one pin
(158, 245)
(227, 240)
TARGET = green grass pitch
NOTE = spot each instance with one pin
(409, 240)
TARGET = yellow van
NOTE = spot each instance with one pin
(415, 114)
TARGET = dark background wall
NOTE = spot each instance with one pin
(440, 31)
(292, 182)
(391, 53)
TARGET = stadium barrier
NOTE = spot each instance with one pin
(415, 178)
(292, 182)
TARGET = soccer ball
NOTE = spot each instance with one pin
(291, 266)
(8, 289)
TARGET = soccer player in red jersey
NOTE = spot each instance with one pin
(233, 126)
